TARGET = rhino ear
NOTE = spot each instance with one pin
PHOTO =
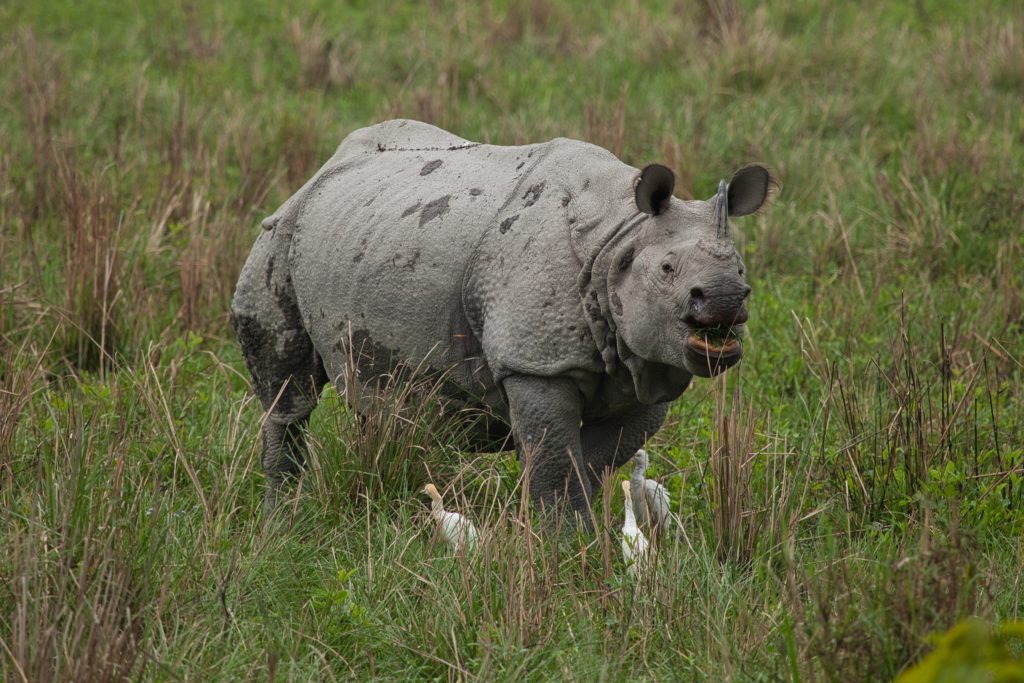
(653, 191)
(749, 189)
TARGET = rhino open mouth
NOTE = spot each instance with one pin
(712, 350)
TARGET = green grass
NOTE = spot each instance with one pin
(853, 488)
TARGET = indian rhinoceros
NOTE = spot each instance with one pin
(566, 293)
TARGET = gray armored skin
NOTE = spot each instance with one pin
(565, 293)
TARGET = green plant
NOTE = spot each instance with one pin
(971, 652)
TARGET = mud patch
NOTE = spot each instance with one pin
(411, 210)
(295, 364)
(506, 224)
(270, 274)
(286, 305)
(451, 148)
(435, 209)
(376, 362)
(431, 166)
(406, 261)
(533, 194)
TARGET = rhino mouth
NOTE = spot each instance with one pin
(711, 350)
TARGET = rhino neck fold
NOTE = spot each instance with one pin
(598, 247)
(653, 382)
(595, 245)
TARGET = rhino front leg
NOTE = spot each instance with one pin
(545, 415)
(612, 442)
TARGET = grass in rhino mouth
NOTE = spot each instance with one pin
(717, 335)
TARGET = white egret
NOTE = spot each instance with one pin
(457, 530)
(634, 544)
(650, 499)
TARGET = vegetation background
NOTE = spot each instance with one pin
(854, 487)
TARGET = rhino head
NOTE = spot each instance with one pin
(677, 286)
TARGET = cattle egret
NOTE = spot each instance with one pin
(634, 543)
(457, 530)
(650, 499)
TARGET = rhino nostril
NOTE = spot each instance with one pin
(746, 291)
(696, 293)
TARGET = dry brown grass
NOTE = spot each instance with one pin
(918, 234)
(76, 617)
(109, 234)
(325, 61)
(722, 22)
(992, 57)
(433, 103)
(40, 86)
(93, 231)
(920, 590)
(539, 21)
(20, 370)
(748, 518)
(71, 574)
(388, 437)
(605, 123)
(902, 419)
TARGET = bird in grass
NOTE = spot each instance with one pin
(457, 530)
(634, 544)
(650, 499)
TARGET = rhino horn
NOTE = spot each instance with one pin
(722, 209)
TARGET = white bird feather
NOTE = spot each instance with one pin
(635, 549)
(651, 502)
(457, 530)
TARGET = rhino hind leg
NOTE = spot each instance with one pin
(287, 372)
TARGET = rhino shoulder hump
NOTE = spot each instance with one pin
(400, 135)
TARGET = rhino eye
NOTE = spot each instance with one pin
(667, 268)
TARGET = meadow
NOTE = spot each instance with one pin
(854, 487)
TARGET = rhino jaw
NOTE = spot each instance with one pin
(706, 358)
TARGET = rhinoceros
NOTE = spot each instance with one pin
(565, 293)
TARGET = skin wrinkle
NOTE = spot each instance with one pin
(600, 321)
(600, 288)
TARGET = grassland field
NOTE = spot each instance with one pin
(853, 488)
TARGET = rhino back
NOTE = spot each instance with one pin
(381, 242)
(422, 245)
